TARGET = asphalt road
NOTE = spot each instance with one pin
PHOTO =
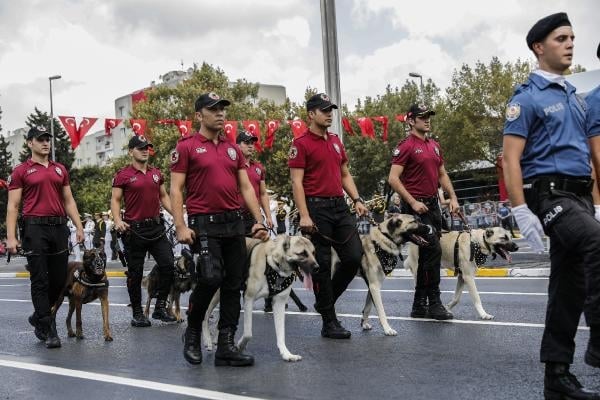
(463, 359)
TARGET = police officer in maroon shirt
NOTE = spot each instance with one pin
(211, 169)
(257, 175)
(142, 229)
(320, 175)
(44, 187)
(417, 168)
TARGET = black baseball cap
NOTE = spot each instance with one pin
(419, 110)
(36, 132)
(139, 142)
(209, 100)
(320, 101)
(544, 26)
(598, 51)
(246, 137)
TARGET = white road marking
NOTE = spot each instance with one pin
(298, 313)
(137, 383)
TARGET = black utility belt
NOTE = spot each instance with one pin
(325, 201)
(45, 220)
(217, 218)
(427, 200)
(145, 223)
(578, 186)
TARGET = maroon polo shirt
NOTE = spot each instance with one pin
(211, 173)
(256, 174)
(141, 192)
(42, 188)
(421, 159)
(322, 159)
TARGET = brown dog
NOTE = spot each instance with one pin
(86, 282)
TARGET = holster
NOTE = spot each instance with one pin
(208, 270)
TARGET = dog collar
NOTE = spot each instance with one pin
(80, 277)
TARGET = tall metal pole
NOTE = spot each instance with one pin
(331, 61)
(50, 79)
(417, 75)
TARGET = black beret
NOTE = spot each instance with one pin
(544, 26)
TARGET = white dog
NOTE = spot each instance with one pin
(467, 251)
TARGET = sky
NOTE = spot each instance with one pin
(106, 49)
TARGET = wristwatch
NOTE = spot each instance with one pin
(358, 200)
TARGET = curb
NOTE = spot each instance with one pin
(396, 273)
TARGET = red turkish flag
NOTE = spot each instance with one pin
(166, 121)
(230, 129)
(138, 126)
(138, 96)
(184, 126)
(347, 126)
(71, 127)
(272, 126)
(253, 127)
(298, 127)
(110, 124)
(401, 117)
(384, 122)
(84, 126)
(366, 127)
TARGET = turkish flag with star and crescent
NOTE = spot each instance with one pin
(253, 127)
(272, 126)
(230, 128)
(110, 124)
(71, 127)
(184, 126)
(84, 126)
(138, 126)
(298, 127)
(366, 127)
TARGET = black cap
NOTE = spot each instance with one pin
(598, 51)
(36, 132)
(209, 100)
(246, 137)
(139, 142)
(419, 110)
(544, 26)
(320, 101)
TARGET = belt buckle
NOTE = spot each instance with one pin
(211, 218)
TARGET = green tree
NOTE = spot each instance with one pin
(470, 119)
(62, 144)
(5, 170)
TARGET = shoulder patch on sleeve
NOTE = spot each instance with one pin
(513, 111)
(396, 152)
(293, 153)
(174, 156)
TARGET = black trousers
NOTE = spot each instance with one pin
(333, 219)
(430, 256)
(136, 245)
(227, 247)
(48, 273)
(574, 285)
(249, 222)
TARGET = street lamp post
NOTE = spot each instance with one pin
(50, 79)
(416, 75)
(331, 61)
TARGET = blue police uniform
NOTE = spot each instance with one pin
(593, 116)
(557, 187)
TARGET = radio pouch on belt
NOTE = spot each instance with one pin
(208, 269)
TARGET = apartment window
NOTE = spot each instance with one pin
(121, 109)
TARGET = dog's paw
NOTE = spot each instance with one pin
(291, 357)
(80, 336)
(487, 316)
(366, 325)
(390, 332)
(71, 334)
(108, 338)
(180, 320)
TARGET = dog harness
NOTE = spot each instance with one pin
(276, 282)
(476, 254)
(81, 278)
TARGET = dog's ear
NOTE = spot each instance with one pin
(489, 233)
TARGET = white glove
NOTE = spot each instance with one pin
(597, 212)
(530, 226)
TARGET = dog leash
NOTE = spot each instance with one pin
(315, 230)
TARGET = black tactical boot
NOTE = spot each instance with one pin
(192, 345)
(40, 330)
(161, 312)
(559, 383)
(436, 308)
(52, 341)
(592, 354)
(419, 307)
(139, 320)
(228, 354)
(333, 329)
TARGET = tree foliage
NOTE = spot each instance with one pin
(5, 170)
(62, 143)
